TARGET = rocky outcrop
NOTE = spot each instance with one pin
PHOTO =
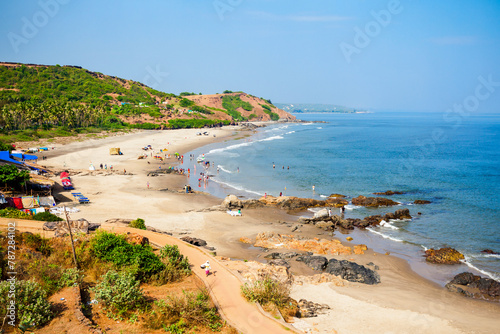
(489, 251)
(373, 201)
(389, 193)
(352, 272)
(136, 239)
(283, 256)
(314, 262)
(308, 309)
(272, 240)
(232, 202)
(60, 228)
(337, 196)
(443, 256)
(194, 241)
(421, 201)
(351, 223)
(318, 279)
(474, 286)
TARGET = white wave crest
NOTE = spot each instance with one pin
(352, 207)
(220, 167)
(240, 188)
(384, 235)
(271, 138)
(387, 224)
(290, 132)
(484, 272)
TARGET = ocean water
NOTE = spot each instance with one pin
(452, 162)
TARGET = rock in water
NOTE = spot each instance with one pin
(421, 201)
(489, 251)
(352, 272)
(474, 286)
(373, 201)
(389, 193)
(444, 256)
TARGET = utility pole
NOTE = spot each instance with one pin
(71, 237)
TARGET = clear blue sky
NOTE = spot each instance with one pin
(424, 55)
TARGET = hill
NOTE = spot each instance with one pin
(315, 108)
(68, 98)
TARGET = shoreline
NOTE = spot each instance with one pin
(121, 196)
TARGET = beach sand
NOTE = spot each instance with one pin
(403, 303)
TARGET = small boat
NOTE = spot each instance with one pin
(200, 159)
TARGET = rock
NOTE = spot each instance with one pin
(397, 215)
(232, 202)
(421, 201)
(489, 251)
(443, 256)
(373, 201)
(474, 286)
(296, 227)
(349, 238)
(194, 241)
(303, 220)
(314, 262)
(337, 196)
(308, 309)
(60, 228)
(136, 239)
(318, 279)
(273, 240)
(118, 221)
(336, 201)
(280, 262)
(352, 272)
(321, 214)
(245, 240)
(292, 203)
(276, 255)
(252, 204)
(360, 249)
(325, 225)
(389, 193)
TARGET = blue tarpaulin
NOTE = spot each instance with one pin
(24, 156)
(6, 156)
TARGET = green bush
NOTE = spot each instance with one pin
(47, 217)
(138, 223)
(138, 259)
(14, 213)
(267, 291)
(177, 266)
(119, 292)
(37, 242)
(69, 277)
(184, 312)
(32, 306)
(186, 103)
(232, 103)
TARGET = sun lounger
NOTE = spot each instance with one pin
(234, 213)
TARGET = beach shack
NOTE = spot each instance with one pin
(115, 151)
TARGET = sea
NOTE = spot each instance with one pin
(451, 161)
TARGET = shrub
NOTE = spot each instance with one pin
(37, 242)
(115, 249)
(119, 292)
(177, 266)
(185, 311)
(138, 223)
(47, 217)
(267, 291)
(69, 277)
(14, 213)
(32, 306)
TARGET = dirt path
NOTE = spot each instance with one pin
(223, 285)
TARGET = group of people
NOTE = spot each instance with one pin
(105, 166)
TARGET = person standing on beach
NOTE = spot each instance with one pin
(147, 184)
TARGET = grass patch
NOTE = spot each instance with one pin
(232, 103)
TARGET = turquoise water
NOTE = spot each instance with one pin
(454, 163)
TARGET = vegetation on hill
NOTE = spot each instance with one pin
(232, 103)
(38, 101)
(114, 272)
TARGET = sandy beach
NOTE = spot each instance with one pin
(403, 303)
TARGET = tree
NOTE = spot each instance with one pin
(12, 177)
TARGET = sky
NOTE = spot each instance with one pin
(398, 55)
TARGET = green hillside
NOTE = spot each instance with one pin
(45, 101)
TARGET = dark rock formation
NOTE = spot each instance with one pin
(350, 223)
(337, 196)
(489, 251)
(421, 201)
(276, 255)
(373, 201)
(280, 263)
(389, 193)
(309, 309)
(443, 256)
(474, 286)
(314, 262)
(194, 241)
(352, 272)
